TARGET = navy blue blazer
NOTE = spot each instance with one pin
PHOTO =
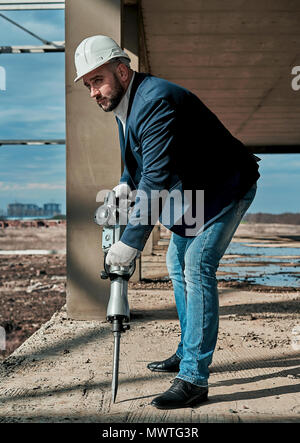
(173, 140)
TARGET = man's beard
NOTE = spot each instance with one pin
(116, 96)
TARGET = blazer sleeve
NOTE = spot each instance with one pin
(125, 178)
(156, 132)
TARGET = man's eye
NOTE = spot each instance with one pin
(98, 80)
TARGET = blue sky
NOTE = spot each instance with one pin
(33, 106)
(279, 185)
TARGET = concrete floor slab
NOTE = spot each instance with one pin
(62, 373)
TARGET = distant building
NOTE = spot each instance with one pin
(15, 210)
(33, 210)
(51, 209)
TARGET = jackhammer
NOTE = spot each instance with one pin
(113, 218)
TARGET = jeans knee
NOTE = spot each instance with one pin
(173, 265)
(172, 270)
(206, 267)
(169, 261)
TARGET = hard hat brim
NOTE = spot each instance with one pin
(97, 65)
(90, 70)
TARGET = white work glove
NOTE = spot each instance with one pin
(122, 191)
(120, 254)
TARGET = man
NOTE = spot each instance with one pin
(170, 140)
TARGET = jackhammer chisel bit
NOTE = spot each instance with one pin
(109, 216)
(115, 375)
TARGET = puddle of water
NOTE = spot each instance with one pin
(271, 274)
(247, 249)
(261, 258)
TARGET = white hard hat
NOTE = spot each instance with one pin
(95, 51)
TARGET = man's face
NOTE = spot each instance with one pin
(105, 87)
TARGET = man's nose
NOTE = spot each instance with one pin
(94, 92)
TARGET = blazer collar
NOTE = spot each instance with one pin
(121, 134)
(138, 78)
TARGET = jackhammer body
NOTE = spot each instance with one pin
(113, 219)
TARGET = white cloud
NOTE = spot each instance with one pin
(45, 186)
(4, 187)
(31, 115)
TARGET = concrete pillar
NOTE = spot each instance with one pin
(130, 40)
(130, 33)
(93, 162)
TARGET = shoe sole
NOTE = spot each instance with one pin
(163, 370)
(192, 404)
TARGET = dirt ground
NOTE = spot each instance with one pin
(32, 287)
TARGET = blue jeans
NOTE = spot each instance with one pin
(192, 264)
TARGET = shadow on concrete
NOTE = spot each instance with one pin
(170, 313)
(141, 315)
(288, 361)
(85, 387)
(261, 393)
(268, 362)
(61, 346)
(292, 372)
(273, 306)
(144, 316)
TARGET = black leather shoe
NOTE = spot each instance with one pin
(169, 365)
(181, 394)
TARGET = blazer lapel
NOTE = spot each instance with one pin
(138, 78)
(121, 137)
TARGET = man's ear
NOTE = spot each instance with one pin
(123, 72)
